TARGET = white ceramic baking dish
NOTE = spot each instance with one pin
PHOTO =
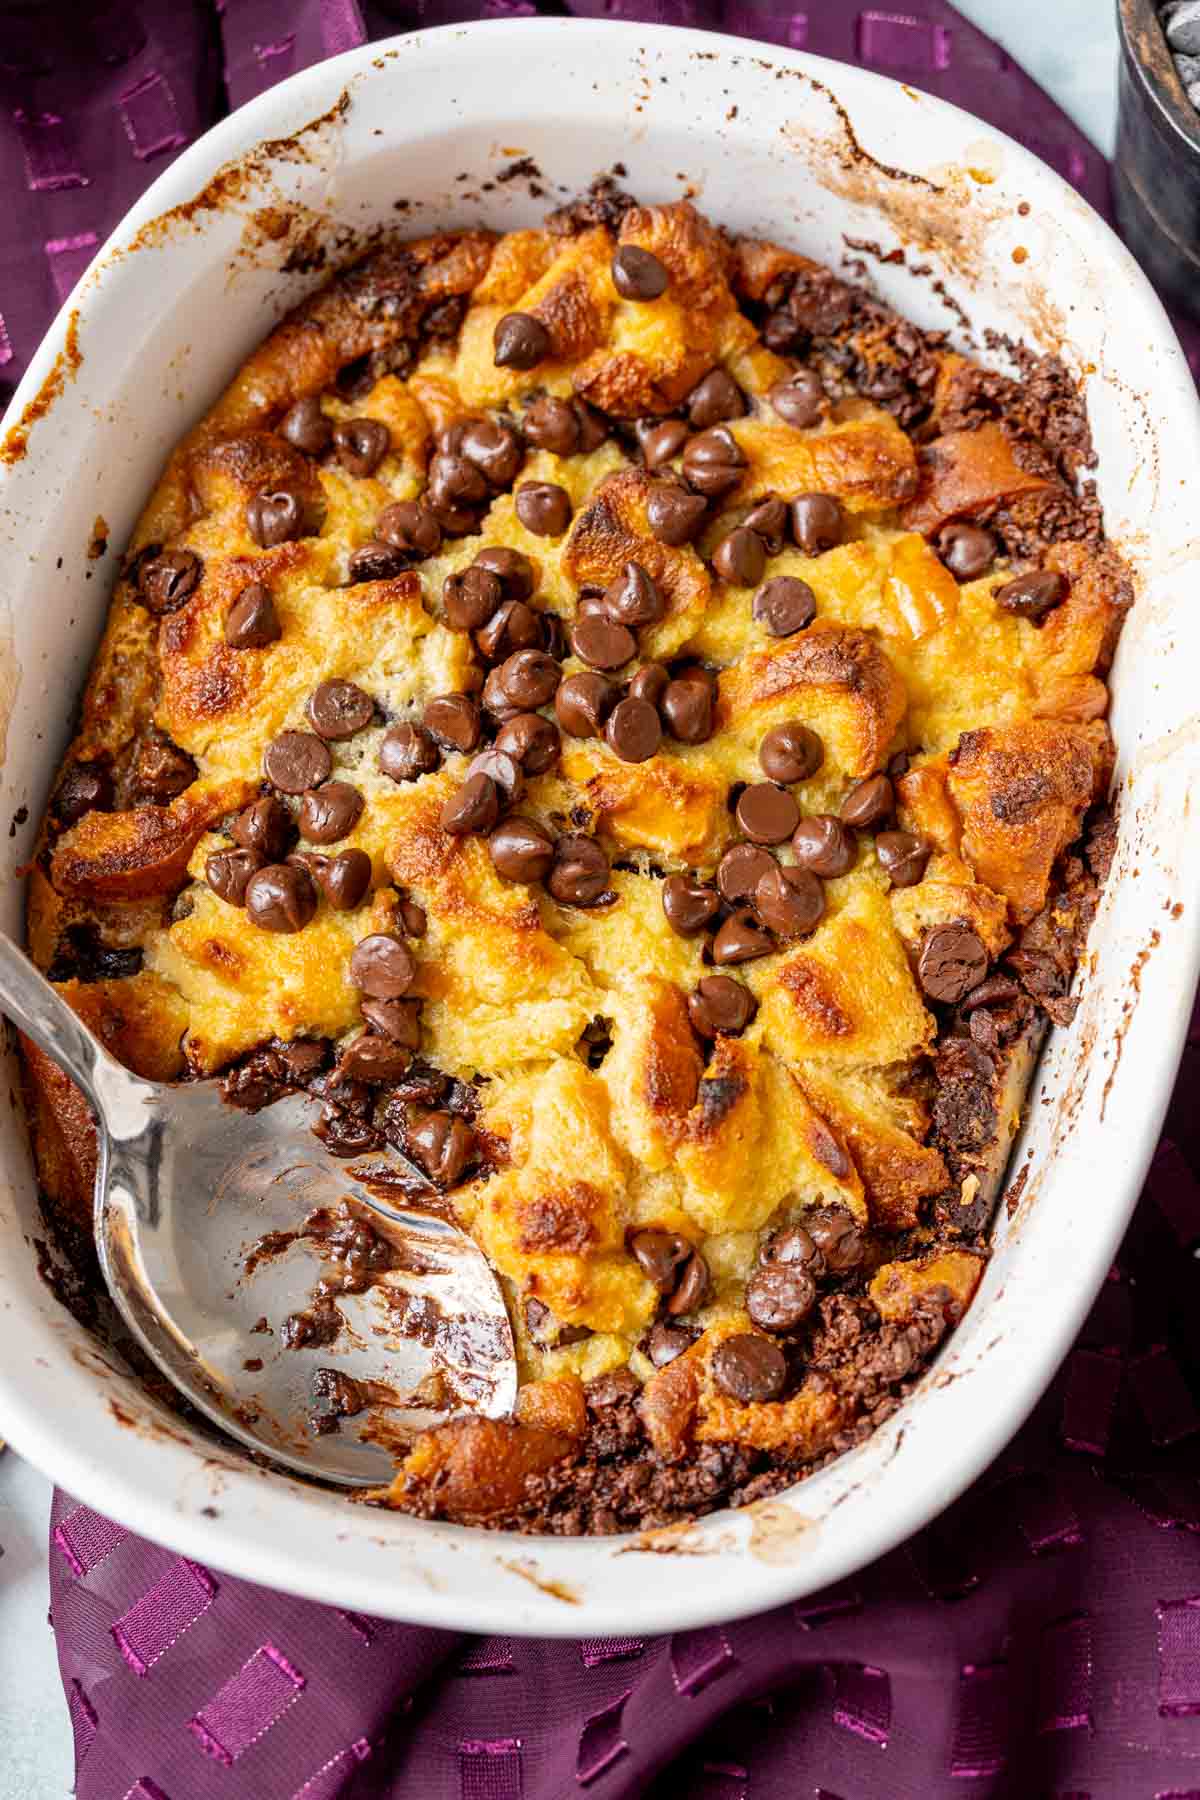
(813, 152)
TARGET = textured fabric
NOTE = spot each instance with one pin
(1040, 1640)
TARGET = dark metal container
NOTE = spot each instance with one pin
(1156, 172)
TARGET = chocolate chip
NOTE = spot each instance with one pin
(330, 812)
(265, 825)
(766, 814)
(345, 879)
(305, 426)
(296, 760)
(869, 803)
(768, 521)
(741, 938)
(520, 342)
(721, 1007)
(552, 424)
(165, 582)
(792, 1246)
(689, 904)
(372, 1058)
(452, 721)
(579, 876)
(661, 440)
(633, 599)
(382, 966)
(673, 515)
(740, 558)
(472, 809)
(455, 486)
(902, 857)
(399, 1020)
(338, 710)
(633, 730)
(583, 702)
(823, 844)
(444, 1145)
(543, 508)
(837, 1235)
(968, 551)
(531, 741)
(376, 562)
(275, 516)
(650, 683)
(414, 918)
(780, 1296)
(749, 1369)
(817, 522)
(997, 990)
(280, 898)
(660, 1255)
(495, 449)
(953, 960)
(713, 462)
(228, 871)
(530, 678)
(160, 771)
(410, 528)
(791, 752)
(86, 787)
(470, 597)
(1032, 596)
(601, 642)
(784, 605)
(554, 636)
(406, 752)
(799, 399)
(512, 569)
(716, 398)
(688, 707)
(504, 772)
(521, 850)
(790, 901)
(741, 869)
(781, 333)
(513, 626)
(637, 274)
(666, 1342)
(361, 445)
(692, 1288)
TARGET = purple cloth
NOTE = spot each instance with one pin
(1042, 1638)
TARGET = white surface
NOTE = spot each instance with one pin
(1071, 49)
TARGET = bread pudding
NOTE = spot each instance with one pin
(617, 715)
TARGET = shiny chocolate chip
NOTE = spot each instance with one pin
(399, 1020)
(296, 760)
(601, 642)
(305, 426)
(953, 960)
(543, 508)
(721, 1007)
(361, 445)
(824, 845)
(382, 967)
(414, 918)
(650, 683)
(345, 879)
(495, 701)
(784, 605)
(265, 826)
(228, 871)
(520, 342)
(766, 814)
(749, 1369)
(838, 1236)
(452, 721)
(531, 741)
(666, 1342)
(790, 901)
(902, 856)
(167, 581)
(472, 809)
(410, 528)
(782, 333)
(673, 515)
(470, 597)
(869, 804)
(741, 869)
(633, 730)
(530, 678)
(791, 752)
(638, 275)
(330, 812)
(338, 710)
(583, 702)
(740, 557)
(85, 788)
(444, 1145)
(741, 939)
(376, 561)
(579, 875)
(512, 569)
(521, 850)
(691, 1290)
(454, 484)
(768, 521)
(495, 449)
(280, 898)
(688, 707)
(633, 598)
(661, 440)
(406, 752)
(504, 772)
(817, 522)
(660, 1255)
(513, 626)
(160, 771)
(275, 516)
(713, 462)
(799, 400)
(968, 551)
(1032, 596)
(689, 904)
(780, 1296)
(552, 424)
(373, 1059)
(715, 399)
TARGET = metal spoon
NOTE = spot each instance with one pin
(200, 1222)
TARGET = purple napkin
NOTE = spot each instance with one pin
(1041, 1639)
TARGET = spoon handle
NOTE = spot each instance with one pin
(29, 1000)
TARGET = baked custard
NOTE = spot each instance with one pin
(617, 714)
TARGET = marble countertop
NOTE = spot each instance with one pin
(1071, 49)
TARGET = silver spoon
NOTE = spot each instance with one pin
(200, 1222)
